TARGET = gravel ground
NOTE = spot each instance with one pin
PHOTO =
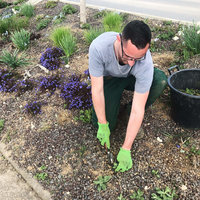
(65, 155)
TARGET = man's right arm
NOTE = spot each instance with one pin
(98, 98)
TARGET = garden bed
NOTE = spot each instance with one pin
(64, 154)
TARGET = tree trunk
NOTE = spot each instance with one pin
(82, 11)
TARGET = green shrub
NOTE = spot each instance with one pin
(68, 9)
(3, 4)
(21, 39)
(13, 60)
(112, 22)
(51, 4)
(43, 24)
(12, 24)
(191, 38)
(27, 10)
(91, 34)
(63, 38)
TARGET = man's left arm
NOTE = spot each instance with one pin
(135, 121)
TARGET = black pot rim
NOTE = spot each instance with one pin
(178, 91)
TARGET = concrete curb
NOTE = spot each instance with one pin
(31, 182)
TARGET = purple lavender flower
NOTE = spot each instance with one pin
(33, 108)
(51, 58)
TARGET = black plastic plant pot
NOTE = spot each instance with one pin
(185, 108)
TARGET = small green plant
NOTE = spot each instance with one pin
(167, 34)
(138, 195)
(166, 194)
(191, 38)
(27, 10)
(1, 124)
(155, 173)
(194, 150)
(100, 14)
(18, 2)
(112, 22)
(62, 37)
(167, 23)
(43, 23)
(68, 9)
(120, 197)
(191, 91)
(102, 182)
(51, 4)
(91, 34)
(85, 26)
(42, 175)
(21, 39)
(13, 60)
(85, 116)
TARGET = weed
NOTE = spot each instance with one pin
(91, 34)
(112, 22)
(168, 34)
(82, 150)
(167, 23)
(63, 38)
(51, 4)
(1, 124)
(194, 150)
(191, 91)
(120, 197)
(68, 9)
(85, 116)
(138, 195)
(41, 176)
(166, 194)
(155, 173)
(13, 60)
(27, 10)
(21, 39)
(43, 23)
(101, 182)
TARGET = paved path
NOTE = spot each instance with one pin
(15, 183)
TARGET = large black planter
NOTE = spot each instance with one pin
(185, 108)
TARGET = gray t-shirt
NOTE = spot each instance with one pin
(103, 62)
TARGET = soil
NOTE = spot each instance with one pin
(72, 156)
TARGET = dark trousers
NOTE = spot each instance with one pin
(114, 87)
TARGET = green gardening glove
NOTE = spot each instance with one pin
(103, 134)
(124, 159)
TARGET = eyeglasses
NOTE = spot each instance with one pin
(127, 56)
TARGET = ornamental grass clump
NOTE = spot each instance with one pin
(63, 38)
(112, 22)
(76, 93)
(13, 60)
(68, 9)
(21, 39)
(91, 34)
(191, 38)
(51, 58)
(33, 108)
(27, 10)
(49, 84)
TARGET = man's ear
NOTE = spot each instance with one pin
(118, 38)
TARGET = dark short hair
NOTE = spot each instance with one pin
(138, 32)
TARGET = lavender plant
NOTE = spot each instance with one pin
(33, 108)
(7, 81)
(50, 84)
(51, 58)
(76, 94)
